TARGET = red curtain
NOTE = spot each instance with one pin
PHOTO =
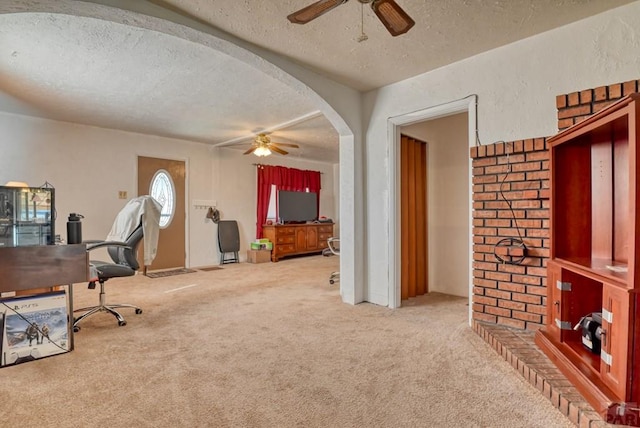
(313, 184)
(283, 178)
(266, 177)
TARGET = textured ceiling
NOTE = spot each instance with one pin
(99, 73)
(95, 72)
(446, 31)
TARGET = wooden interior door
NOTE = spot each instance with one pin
(413, 208)
(171, 242)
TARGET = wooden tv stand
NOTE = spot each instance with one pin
(296, 239)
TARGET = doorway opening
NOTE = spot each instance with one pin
(449, 131)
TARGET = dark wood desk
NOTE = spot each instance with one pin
(43, 266)
(26, 268)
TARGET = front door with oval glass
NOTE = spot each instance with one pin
(164, 179)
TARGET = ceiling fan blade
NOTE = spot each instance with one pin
(251, 150)
(314, 10)
(295, 146)
(392, 16)
(278, 150)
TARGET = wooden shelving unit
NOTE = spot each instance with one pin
(595, 242)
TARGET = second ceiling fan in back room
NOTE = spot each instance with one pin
(392, 16)
(263, 146)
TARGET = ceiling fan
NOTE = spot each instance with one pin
(392, 16)
(263, 146)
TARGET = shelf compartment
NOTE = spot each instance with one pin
(590, 182)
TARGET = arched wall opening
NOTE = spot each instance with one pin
(339, 104)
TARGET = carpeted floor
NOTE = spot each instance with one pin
(271, 345)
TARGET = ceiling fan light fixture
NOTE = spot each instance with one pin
(262, 151)
(392, 16)
(263, 146)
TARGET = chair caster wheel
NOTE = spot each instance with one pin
(138, 311)
(331, 281)
(122, 323)
(76, 328)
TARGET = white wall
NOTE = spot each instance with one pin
(516, 86)
(447, 200)
(89, 165)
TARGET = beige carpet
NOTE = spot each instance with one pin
(270, 345)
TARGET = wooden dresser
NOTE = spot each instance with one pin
(296, 239)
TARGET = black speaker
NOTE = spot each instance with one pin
(591, 327)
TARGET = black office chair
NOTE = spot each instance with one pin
(125, 263)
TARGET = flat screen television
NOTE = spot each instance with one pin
(297, 207)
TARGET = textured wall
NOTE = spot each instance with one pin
(516, 86)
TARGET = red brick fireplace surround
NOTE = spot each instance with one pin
(515, 295)
(512, 297)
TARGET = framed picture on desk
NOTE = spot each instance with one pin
(33, 327)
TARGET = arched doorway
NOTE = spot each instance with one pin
(342, 108)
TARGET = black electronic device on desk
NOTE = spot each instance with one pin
(27, 216)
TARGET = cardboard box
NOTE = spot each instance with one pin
(33, 327)
(258, 256)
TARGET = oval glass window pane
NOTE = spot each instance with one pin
(163, 191)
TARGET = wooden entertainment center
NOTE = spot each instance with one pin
(594, 261)
(297, 239)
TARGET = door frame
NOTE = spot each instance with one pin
(469, 105)
(187, 259)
